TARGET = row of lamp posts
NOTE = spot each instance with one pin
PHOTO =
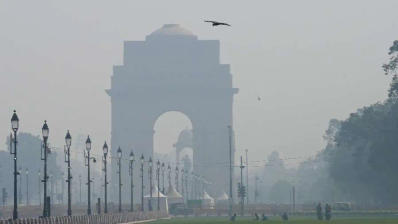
(88, 159)
(44, 156)
(13, 151)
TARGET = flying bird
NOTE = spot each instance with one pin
(259, 98)
(215, 23)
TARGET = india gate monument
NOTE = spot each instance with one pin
(173, 70)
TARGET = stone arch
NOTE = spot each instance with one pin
(185, 140)
(174, 139)
(174, 71)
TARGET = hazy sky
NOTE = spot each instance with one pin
(309, 61)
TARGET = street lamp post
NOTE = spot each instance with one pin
(176, 178)
(200, 187)
(163, 167)
(242, 188)
(186, 184)
(169, 174)
(51, 180)
(20, 185)
(195, 186)
(182, 183)
(150, 184)
(256, 178)
(63, 188)
(27, 186)
(231, 200)
(68, 142)
(131, 172)
(192, 186)
(87, 163)
(142, 182)
(119, 163)
(45, 132)
(158, 179)
(247, 178)
(38, 186)
(14, 127)
(105, 150)
(93, 195)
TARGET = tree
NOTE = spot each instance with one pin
(28, 158)
(390, 68)
(362, 160)
(273, 172)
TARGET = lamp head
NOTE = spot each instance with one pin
(119, 153)
(88, 143)
(45, 130)
(105, 149)
(150, 161)
(14, 122)
(68, 139)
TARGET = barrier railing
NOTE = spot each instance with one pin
(111, 218)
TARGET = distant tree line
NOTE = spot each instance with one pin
(362, 154)
(28, 160)
(359, 163)
(362, 151)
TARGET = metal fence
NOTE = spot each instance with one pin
(113, 218)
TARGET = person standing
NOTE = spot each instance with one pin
(328, 212)
(319, 211)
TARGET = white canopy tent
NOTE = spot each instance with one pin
(222, 200)
(154, 202)
(173, 197)
(207, 200)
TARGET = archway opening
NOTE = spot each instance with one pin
(186, 159)
(167, 137)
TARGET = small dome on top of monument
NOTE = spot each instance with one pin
(172, 30)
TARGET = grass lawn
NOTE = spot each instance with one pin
(274, 220)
